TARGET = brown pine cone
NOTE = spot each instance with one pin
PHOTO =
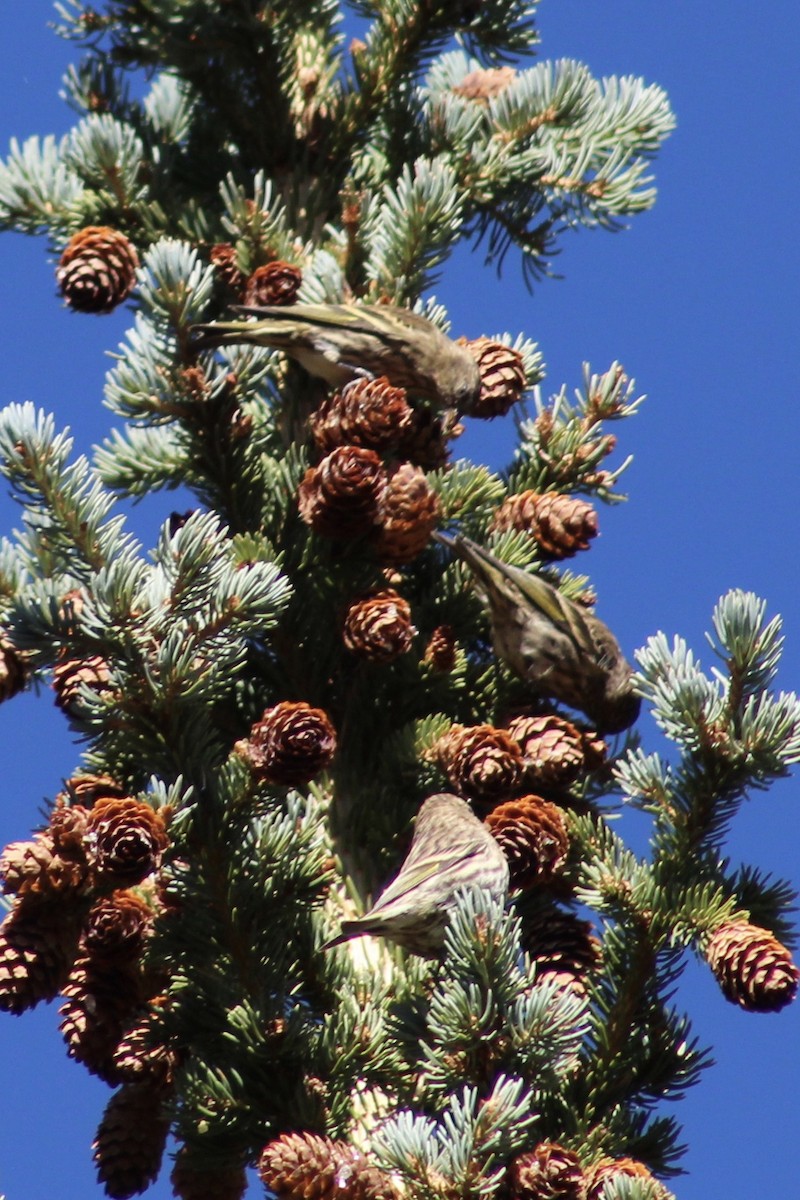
(68, 826)
(274, 283)
(366, 412)
(13, 669)
(502, 377)
(548, 1172)
(752, 967)
(426, 441)
(606, 1169)
(140, 1055)
(562, 946)
(126, 838)
(117, 927)
(24, 866)
(206, 1183)
(553, 749)
(561, 525)
(481, 762)
(442, 648)
(38, 944)
(409, 512)
(300, 1166)
(70, 675)
(358, 1179)
(97, 269)
(341, 497)
(100, 1001)
(595, 750)
(223, 257)
(485, 83)
(532, 835)
(304, 1166)
(378, 628)
(290, 744)
(70, 868)
(85, 788)
(36, 868)
(131, 1138)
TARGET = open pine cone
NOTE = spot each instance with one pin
(409, 512)
(126, 838)
(290, 744)
(97, 269)
(341, 497)
(378, 627)
(481, 762)
(532, 835)
(274, 283)
(548, 1172)
(366, 412)
(502, 377)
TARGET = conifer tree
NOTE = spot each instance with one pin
(267, 699)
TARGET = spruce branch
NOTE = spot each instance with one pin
(259, 220)
(143, 460)
(108, 156)
(96, 85)
(488, 1016)
(734, 734)
(68, 527)
(37, 189)
(169, 108)
(464, 1151)
(768, 901)
(553, 148)
(750, 649)
(412, 230)
(563, 447)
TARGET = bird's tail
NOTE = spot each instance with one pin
(349, 929)
(239, 333)
(542, 595)
(486, 567)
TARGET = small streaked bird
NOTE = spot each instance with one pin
(555, 645)
(340, 342)
(451, 850)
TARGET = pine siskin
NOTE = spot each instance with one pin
(551, 642)
(340, 342)
(451, 849)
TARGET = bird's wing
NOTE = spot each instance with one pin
(405, 316)
(557, 608)
(337, 316)
(563, 613)
(414, 874)
(380, 321)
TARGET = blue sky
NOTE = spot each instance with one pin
(699, 300)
